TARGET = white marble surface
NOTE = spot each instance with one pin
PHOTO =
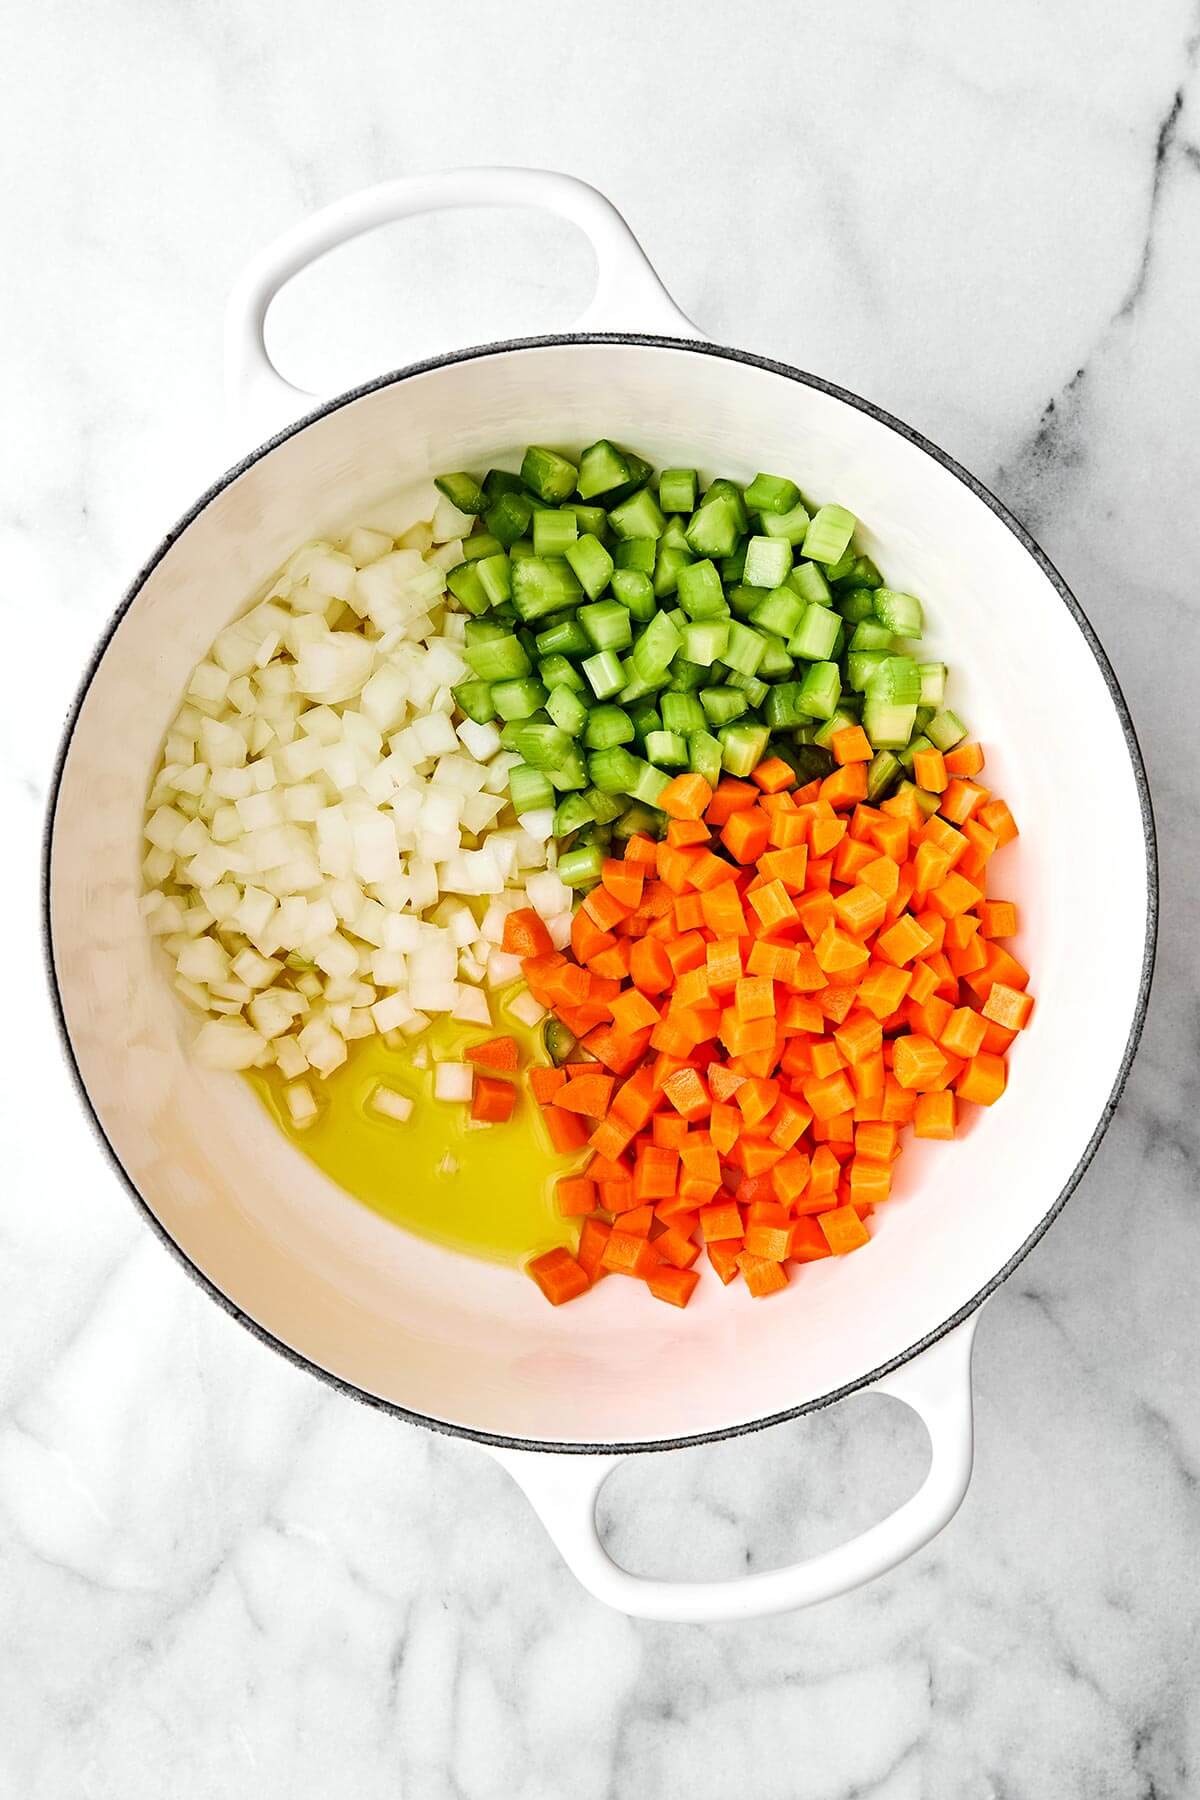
(216, 1577)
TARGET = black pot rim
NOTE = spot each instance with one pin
(981, 493)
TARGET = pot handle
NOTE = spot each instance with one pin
(563, 1489)
(629, 295)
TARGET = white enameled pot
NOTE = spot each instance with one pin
(560, 1395)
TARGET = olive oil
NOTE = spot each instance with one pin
(487, 1190)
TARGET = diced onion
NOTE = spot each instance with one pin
(453, 1081)
(330, 848)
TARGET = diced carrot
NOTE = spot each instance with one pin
(723, 1256)
(611, 1136)
(963, 1033)
(669, 1131)
(789, 830)
(996, 816)
(623, 880)
(761, 1274)
(826, 1058)
(686, 952)
(655, 1172)
(719, 1220)
(773, 1241)
(961, 799)
(1008, 1007)
(838, 954)
(918, 1061)
(559, 1275)
(686, 797)
(851, 745)
(809, 1243)
(860, 910)
(498, 1054)
(773, 775)
(859, 1037)
(639, 1219)
(935, 1115)
(844, 1230)
(882, 989)
(545, 1083)
(493, 1100)
(870, 1180)
(619, 1197)
(593, 1235)
(525, 934)
(846, 785)
(575, 1195)
(673, 1285)
(829, 1096)
(688, 912)
(589, 1094)
(628, 1253)
(824, 835)
(723, 913)
(682, 833)
(997, 1039)
(567, 1130)
(790, 1176)
(587, 939)
(901, 941)
(965, 759)
(688, 1094)
(730, 796)
(929, 770)
(983, 1080)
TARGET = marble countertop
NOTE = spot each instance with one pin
(218, 1578)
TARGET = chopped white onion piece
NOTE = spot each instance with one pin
(525, 1009)
(389, 1104)
(453, 1081)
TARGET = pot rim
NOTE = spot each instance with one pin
(650, 340)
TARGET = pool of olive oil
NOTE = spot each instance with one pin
(488, 1190)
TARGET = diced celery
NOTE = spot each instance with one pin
(571, 771)
(677, 490)
(829, 533)
(820, 690)
(543, 584)
(669, 565)
(518, 699)
(501, 481)
(580, 866)
(550, 476)
(782, 709)
(638, 517)
(776, 662)
(636, 553)
(816, 634)
(742, 747)
(700, 592)
(667, 749)
(837, 721)
(896, 681)
(635, 591)
(901, 613)
(646, 718)
(861, 665)
(810, 583)
(744, 650)
(687, 677)
(604, 673)
(791, 526)
(591, 519)
(475, 699)
(768, 560)
(754, 689)
(732, 492)
(607, 624)
(479, 545)
(781, 612)
(704, 756)
(606, 726)
(567, 709)
(613, 771)
(682, 713)
(869, 634)
(704, 641)
(541, 743)
(945, 730)
(501, 658)
(529, 789)
(882, 773)
(571, 813)
(602, 467)
(556, 671)
(772, 494)
(713, 529)
(464, 583)
(933, 683)
(563, 637)
(604, 807)
(591, 562)
(649, 784)
(656, 648)
(743, 600)
(723, 704)
(462, 490)
(888, 723)
(495, 575)
(554, 532)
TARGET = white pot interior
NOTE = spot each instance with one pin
(474, 1344)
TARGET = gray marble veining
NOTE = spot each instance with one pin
(216, 1577)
